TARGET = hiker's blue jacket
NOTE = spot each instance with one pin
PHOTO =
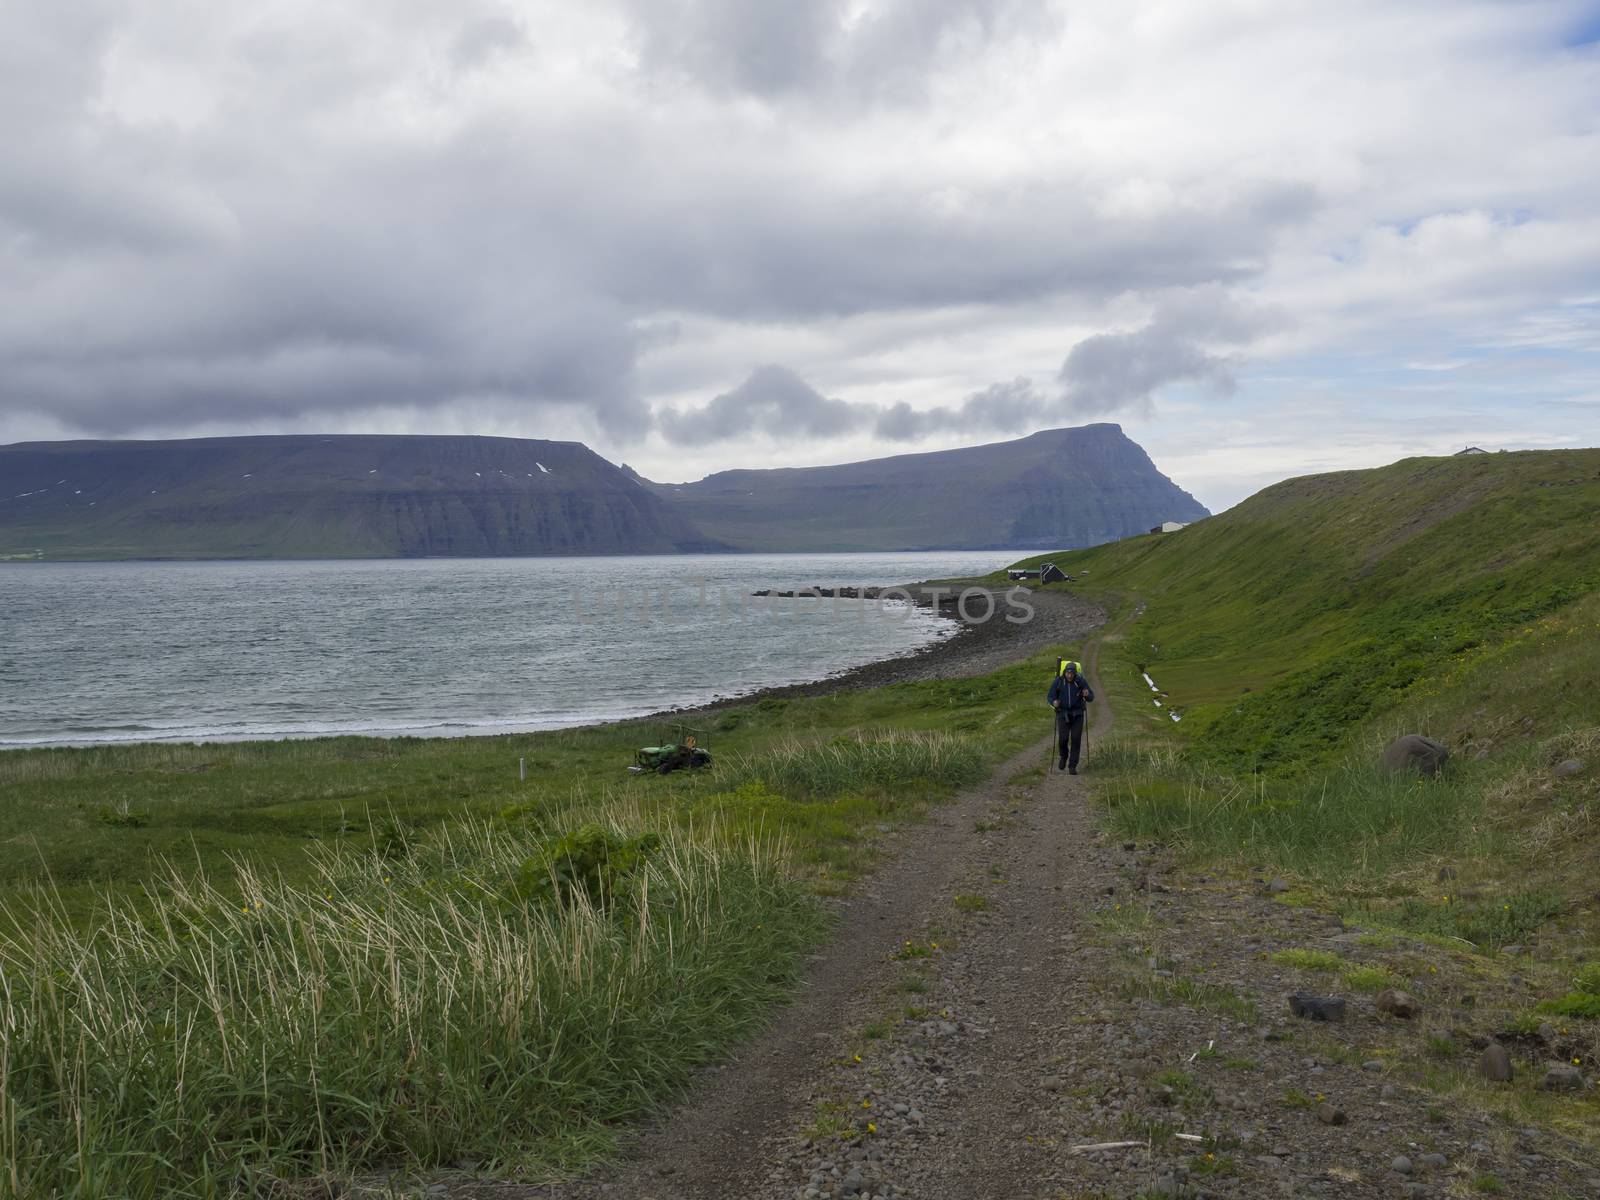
(1074, 694)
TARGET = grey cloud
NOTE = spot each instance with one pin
(772, 400)
(1107, 373)
(898, 44)
(277, 260)
(480, 40)
(822, 50)
(1112, 372)
(764, 49)
(1101, 374)
(1005, 407)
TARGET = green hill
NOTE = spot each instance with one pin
(1282, 625)
(1302, 631)
(1297, 635)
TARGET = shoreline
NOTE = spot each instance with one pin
(971, 649)
(974, 649)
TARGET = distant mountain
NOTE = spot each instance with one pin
(383, 496)
(1060, 489)
(327, 497)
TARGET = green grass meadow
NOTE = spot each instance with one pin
(234, 967)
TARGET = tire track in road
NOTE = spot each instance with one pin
(735, 1132)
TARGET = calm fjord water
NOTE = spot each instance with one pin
(107, 652)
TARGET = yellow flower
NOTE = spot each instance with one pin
(866, 1104)
(871, 1128)
(857, 1057)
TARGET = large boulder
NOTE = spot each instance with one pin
(1413, 752)
(1495, 1063)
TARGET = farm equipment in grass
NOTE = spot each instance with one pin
(680, 749)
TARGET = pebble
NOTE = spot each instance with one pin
(1401, 1165)
(1434, 1160)
(1372, 1064)
(1398, 1003)
(1329, 1115)
(1567, 767)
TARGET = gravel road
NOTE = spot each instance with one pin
(1011, 986)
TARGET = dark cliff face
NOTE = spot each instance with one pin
(1058, 489)
(395, 497)
(327, 497)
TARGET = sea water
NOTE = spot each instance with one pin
(94, 653)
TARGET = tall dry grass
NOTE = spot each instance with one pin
(414, 1008)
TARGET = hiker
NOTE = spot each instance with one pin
(1069, 696)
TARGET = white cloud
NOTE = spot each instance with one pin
(542, 216)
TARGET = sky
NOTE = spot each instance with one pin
(1267, 237)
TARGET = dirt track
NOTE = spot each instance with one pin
(1082, 991)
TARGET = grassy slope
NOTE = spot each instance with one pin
(1281, 625)
(1304, 630)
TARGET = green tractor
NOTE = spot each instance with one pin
(680, 749)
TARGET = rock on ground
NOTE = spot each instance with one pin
(1413, 752)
